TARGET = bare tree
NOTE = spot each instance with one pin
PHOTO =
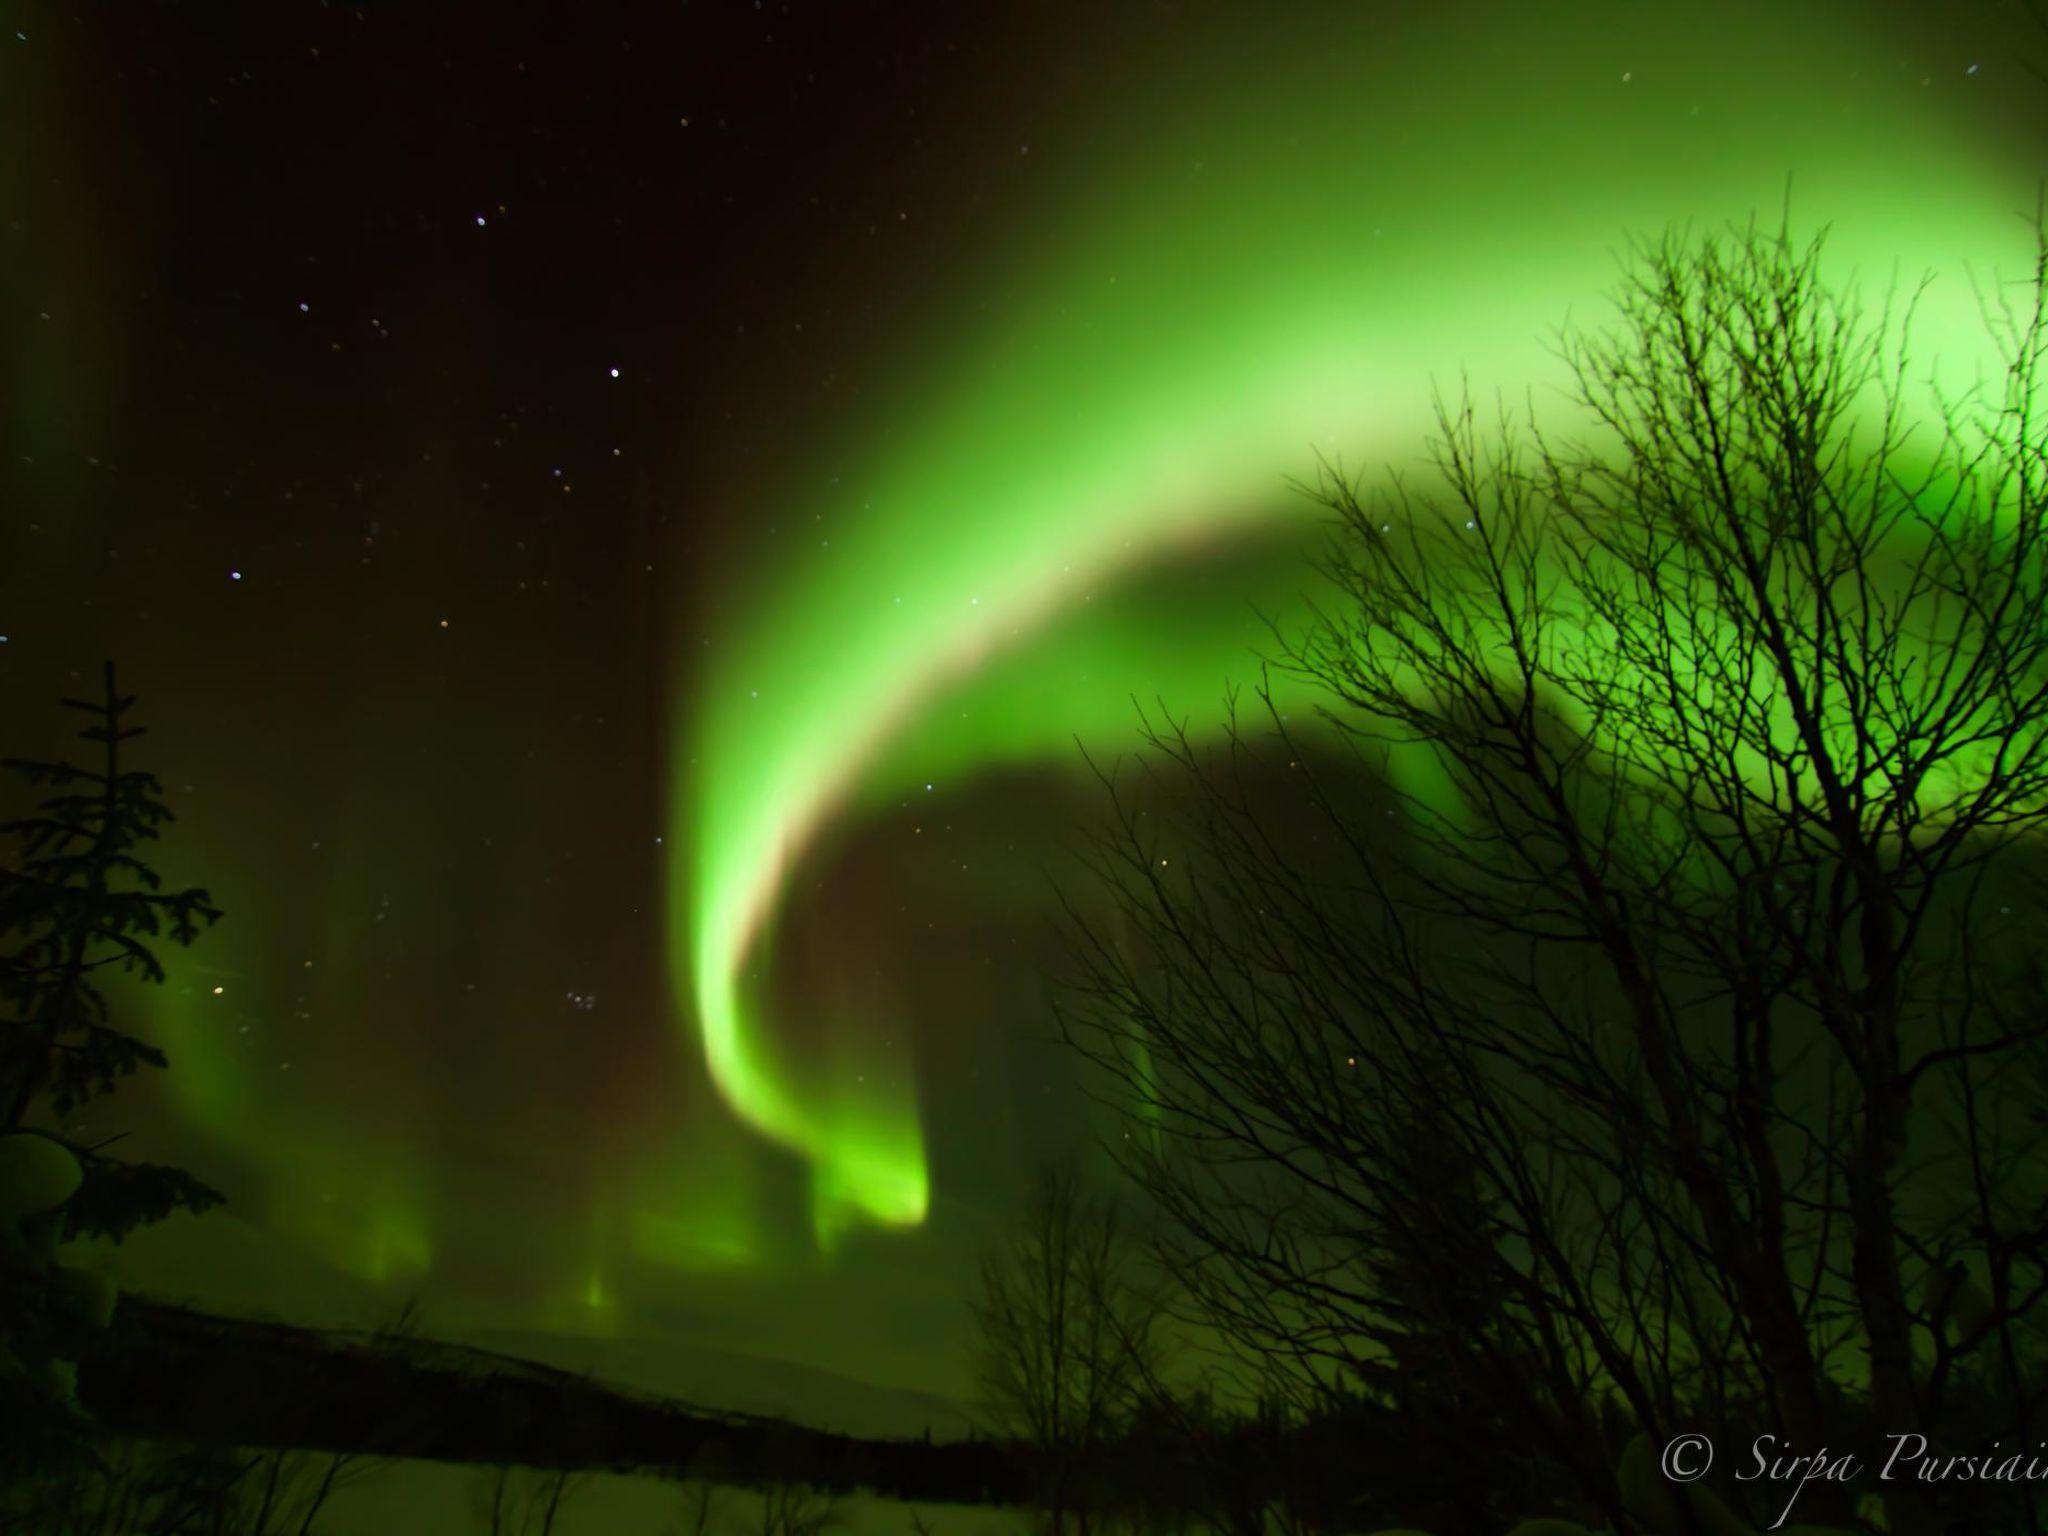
(698, 1502)
(1661, 880)
(183, 1490)
(1066, 1330)
(525, 1501)
(792, 1508)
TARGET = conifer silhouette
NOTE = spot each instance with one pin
(78, 900)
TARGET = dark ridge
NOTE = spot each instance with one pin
(171, 1372)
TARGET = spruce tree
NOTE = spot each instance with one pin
(78, 902)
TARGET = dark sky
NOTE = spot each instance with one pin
(419, 402)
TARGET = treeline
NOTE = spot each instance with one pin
(172, 1373)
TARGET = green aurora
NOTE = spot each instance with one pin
(1257, 245)
(1274, 252)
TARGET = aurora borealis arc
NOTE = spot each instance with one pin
(1265, 258)
(561, 493)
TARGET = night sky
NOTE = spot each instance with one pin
(618, 522)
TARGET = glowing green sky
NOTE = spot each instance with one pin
(1267, 250)
(595, 953)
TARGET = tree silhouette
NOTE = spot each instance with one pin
(1067, 1337)
(81, 900)
(77, 899)
(1659, 871)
